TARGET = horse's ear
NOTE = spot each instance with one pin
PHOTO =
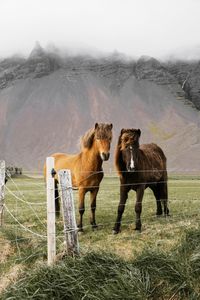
(122, 131)
(96, 125)
(139, 132)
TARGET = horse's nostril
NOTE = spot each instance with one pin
(130, 168)
(105, 156)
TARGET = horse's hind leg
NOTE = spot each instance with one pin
(93, 196)
(164, 197)
(156, 191)
(82, 192)
(57, 199)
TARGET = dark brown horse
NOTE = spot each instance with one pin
(86, 167)
(140, 167)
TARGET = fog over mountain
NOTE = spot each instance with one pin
(134, 27)
(48, 100)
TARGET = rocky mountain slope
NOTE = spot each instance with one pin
(48, 101)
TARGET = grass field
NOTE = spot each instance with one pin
(23, 242)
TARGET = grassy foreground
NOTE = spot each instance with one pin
(162, 262)
(152, 275)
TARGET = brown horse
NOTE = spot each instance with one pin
(86, 167)
(140, 167)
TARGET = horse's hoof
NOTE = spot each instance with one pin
(138, 229)
(94, 226)
(158, 215)
(80, 231)
(167, 215)
(115, 231)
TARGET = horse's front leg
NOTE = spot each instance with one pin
(81, 193)
(93, 196)
(123, 197)
(138, 207)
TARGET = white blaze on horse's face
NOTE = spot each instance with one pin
(132, 164)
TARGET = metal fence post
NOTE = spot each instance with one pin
(2, 189)
(51, 227)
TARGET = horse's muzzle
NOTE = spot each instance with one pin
(105, 156)
(130, 169)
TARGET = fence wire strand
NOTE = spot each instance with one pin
(111, 206)
(21, 225)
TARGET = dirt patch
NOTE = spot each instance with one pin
(6, 250)
(6, 278)
(10, 276)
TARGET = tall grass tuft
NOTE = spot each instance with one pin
(101, 276)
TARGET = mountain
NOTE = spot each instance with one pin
(49, 100)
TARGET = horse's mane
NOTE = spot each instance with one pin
(87, 139)
(119, 164)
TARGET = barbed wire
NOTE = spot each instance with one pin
(42, 252)
(111, 169)
(60, 238)
(110, 184)
(183, 216)
(110, 224)
(44, 203)
(114, 173)
(24, 227)
(24, 201)
(167, 219)
(135, 183)
(27, 203)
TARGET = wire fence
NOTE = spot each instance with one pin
(25, 215)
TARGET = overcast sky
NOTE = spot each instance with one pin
(134, 27)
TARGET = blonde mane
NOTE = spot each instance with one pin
(86, 140)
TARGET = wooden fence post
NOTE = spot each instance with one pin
(2, 189)
(51, 227)
(69, 219)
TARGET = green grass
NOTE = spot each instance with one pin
(154, 274)
(160, 239)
